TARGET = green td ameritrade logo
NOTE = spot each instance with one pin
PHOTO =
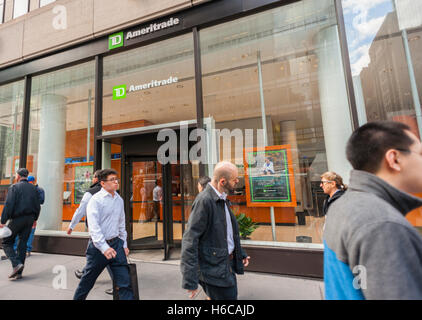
(119, 92)
(115, 41)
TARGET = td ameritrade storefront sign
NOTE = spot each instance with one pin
(119, 92)
(118, 39)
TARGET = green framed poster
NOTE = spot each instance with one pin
(83, 180)
(269, 177)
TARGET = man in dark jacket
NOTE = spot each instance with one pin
(211, 251)
(22, 208)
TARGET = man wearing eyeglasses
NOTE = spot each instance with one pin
(108, 245)
(370, 250)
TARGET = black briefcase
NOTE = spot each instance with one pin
(133, 274)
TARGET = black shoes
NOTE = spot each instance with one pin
(79, 273)
(17, 272)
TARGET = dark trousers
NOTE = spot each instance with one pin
(157, 209)
(95, 264)
(21, 227)
(221, 293)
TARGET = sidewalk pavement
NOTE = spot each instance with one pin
(158, 280)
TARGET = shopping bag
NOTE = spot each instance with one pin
(5, 232)
(133, 275)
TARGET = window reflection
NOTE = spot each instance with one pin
(61, 141)
(277, 78)
(11, 105)
(385, 45)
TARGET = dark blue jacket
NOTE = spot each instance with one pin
(205, 254)
(22, 200)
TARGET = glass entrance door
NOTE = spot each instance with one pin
(146, 203)
(158, 202)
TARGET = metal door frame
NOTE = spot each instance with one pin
(167, 205)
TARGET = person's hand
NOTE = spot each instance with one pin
(126, 251)
(34, 225)
(110, 253)
(2, 225)
(193, 293)
(246, 261)
(69, 231)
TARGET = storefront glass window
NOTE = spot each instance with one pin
(149, 86)
(11, 105)
(275, 80)
(385, 47)
(61, 148)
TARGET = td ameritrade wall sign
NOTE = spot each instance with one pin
(117, 40)
(119, 92)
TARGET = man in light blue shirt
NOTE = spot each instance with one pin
(108, 245)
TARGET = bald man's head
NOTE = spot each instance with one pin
(225, 176)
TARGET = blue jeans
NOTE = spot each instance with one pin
(28, 243)
(95, 264)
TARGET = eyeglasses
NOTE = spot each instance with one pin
(408, 150)
(113, 180)
(322, 182)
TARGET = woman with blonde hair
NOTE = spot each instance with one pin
(333, 186)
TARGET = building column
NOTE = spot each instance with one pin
(106, 155)
(335, 111)
(51, 153)
(288, 136)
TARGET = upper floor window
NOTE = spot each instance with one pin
(20, 8)
(45, 2)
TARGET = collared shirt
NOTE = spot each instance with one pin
(230, 241)
(81, 211)
(106, 219)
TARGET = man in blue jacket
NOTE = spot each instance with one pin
(21, 209)
(370, 250)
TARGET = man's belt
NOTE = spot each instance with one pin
(112, 240)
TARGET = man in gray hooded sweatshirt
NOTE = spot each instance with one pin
(370, 250)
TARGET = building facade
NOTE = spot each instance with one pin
(162, 90)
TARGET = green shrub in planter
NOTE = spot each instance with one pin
(246, 225)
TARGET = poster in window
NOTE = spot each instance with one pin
(269, 177)
(83, 180)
